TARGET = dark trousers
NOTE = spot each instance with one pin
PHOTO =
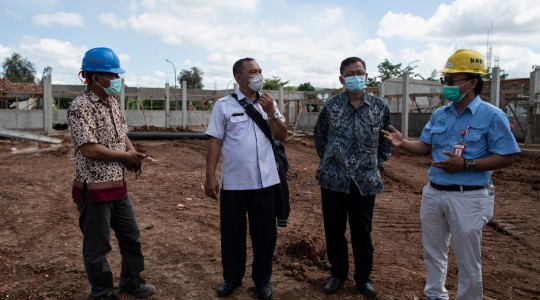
(336, 208)
(95, 221)
(260, 208)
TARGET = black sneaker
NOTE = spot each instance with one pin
(138, 288)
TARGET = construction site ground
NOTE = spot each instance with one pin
(40, 242)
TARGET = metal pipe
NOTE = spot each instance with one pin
(166, 136)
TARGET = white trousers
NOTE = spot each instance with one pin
(461, 215)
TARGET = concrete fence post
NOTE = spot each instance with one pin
(495, 86)
(405, 105)
(184, 105)
(167, 105)
(47, 104)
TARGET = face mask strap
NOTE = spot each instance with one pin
(85, 81)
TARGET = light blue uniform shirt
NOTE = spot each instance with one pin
(248, 161)
(487, 132)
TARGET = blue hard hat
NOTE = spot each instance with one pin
(101, 60)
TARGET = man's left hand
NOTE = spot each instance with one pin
(453, 164)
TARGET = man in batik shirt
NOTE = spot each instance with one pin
(352, 150)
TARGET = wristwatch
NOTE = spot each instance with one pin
(470, 165)
(274, 116)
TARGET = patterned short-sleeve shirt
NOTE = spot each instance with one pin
(97, 121)
(350, 145)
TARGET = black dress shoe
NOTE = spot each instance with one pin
(366, 288)
(228, 287)
(264, 292)
(332, 285)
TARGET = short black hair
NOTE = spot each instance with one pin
(239, 64)
(350, 60)
(479, 85)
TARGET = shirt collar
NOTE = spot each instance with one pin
(242, 96)
(472, 106)
(365, 98)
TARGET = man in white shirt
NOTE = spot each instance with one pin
(249, 176)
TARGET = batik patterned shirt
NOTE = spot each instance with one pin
(350, 145)
(93, 120)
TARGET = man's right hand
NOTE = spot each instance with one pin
(211, 187)
(394, 136)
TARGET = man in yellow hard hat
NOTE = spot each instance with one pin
(468, 139)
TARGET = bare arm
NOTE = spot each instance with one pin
(130, 158)
(415, 147)
(211, 185)
(493, 162)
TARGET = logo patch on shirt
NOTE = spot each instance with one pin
(441, 122)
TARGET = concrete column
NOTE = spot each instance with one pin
(533, 89)
(184, 105)
(47, 104)
(139, 104)
(236, 87)
(495, 86)
(280, 99)
(405, 105)
(167, 106)
(123, 97)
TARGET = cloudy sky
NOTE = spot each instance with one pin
(296, 40)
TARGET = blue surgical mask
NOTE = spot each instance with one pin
(115, 85)
(355, 83)
(451, 93)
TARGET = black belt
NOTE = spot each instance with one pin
(456, 188)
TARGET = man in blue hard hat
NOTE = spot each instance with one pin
(102, 153)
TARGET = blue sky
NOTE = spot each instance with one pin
(298, 41)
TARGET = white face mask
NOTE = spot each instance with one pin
(256, 83)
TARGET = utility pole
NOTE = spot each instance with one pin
(174, 72)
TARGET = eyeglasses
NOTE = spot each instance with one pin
(451, 81)
(353, 73)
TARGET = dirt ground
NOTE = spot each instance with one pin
(40, 243)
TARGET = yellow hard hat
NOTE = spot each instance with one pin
(465, 61)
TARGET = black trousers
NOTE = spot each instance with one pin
(259, 205)
(336, 208)
(95, 222)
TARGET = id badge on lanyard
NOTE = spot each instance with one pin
(459, 148)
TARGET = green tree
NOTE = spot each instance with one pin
(274, 83)
(372, 81)
(388, 70)
(193, 78)
(17, 69)
(433, 76)
(305, 87)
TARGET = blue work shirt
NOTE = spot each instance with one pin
(483, 129)
(350, 145)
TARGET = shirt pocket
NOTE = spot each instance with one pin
(472, 140)
(438, 137)
(237, 125)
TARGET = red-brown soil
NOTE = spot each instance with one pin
(40, 243)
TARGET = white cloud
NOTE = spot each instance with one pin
(59, 18)
(4, 52)
(332, 14)
(112, 20)
(12, 14)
